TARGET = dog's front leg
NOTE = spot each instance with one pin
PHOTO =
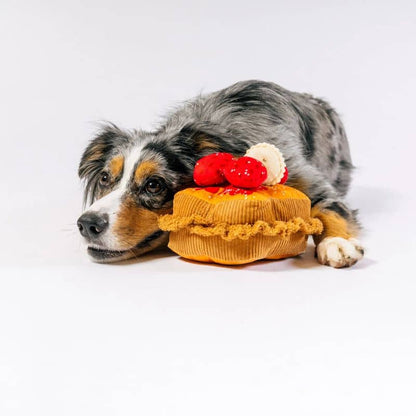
(337, 246)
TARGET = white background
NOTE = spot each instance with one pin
(161, 336)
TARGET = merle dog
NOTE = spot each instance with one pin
(132, 176)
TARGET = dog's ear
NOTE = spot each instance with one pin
(206, 138)
(96, 155)
(97, 151)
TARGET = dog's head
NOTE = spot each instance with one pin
(130, 179)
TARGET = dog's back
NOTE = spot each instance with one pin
(307, 129)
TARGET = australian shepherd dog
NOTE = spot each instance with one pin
(131, 176)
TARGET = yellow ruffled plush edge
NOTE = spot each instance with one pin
(196, 224)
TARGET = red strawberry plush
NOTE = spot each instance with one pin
(209, 170)
(285, 176)
(245, 172)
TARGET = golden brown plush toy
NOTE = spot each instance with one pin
(256, 217)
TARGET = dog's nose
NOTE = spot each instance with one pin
(91, 225)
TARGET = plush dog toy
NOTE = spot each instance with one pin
(241, 211)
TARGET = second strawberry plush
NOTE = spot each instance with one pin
(245, 172)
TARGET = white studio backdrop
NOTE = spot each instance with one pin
(160, 336)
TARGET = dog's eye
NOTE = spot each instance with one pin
(153, 186)
(104, 179)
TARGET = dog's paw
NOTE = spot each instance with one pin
(339, 252)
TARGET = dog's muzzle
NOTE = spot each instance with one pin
(92, 225)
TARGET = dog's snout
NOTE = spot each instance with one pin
(91, 225)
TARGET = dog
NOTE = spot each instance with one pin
(131, 176)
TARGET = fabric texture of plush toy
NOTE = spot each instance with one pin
(253, 217)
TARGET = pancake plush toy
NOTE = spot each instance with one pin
(241, 211)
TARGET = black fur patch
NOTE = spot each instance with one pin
(318, 199)
(307, 126)
(251, 96)
(340, 209)
(173, 159)
(344, 164)
(146, 241)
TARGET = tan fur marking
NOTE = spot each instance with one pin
(334, 225)
(145, 169)
(116, 165)
(204, 143)
(135, 223)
